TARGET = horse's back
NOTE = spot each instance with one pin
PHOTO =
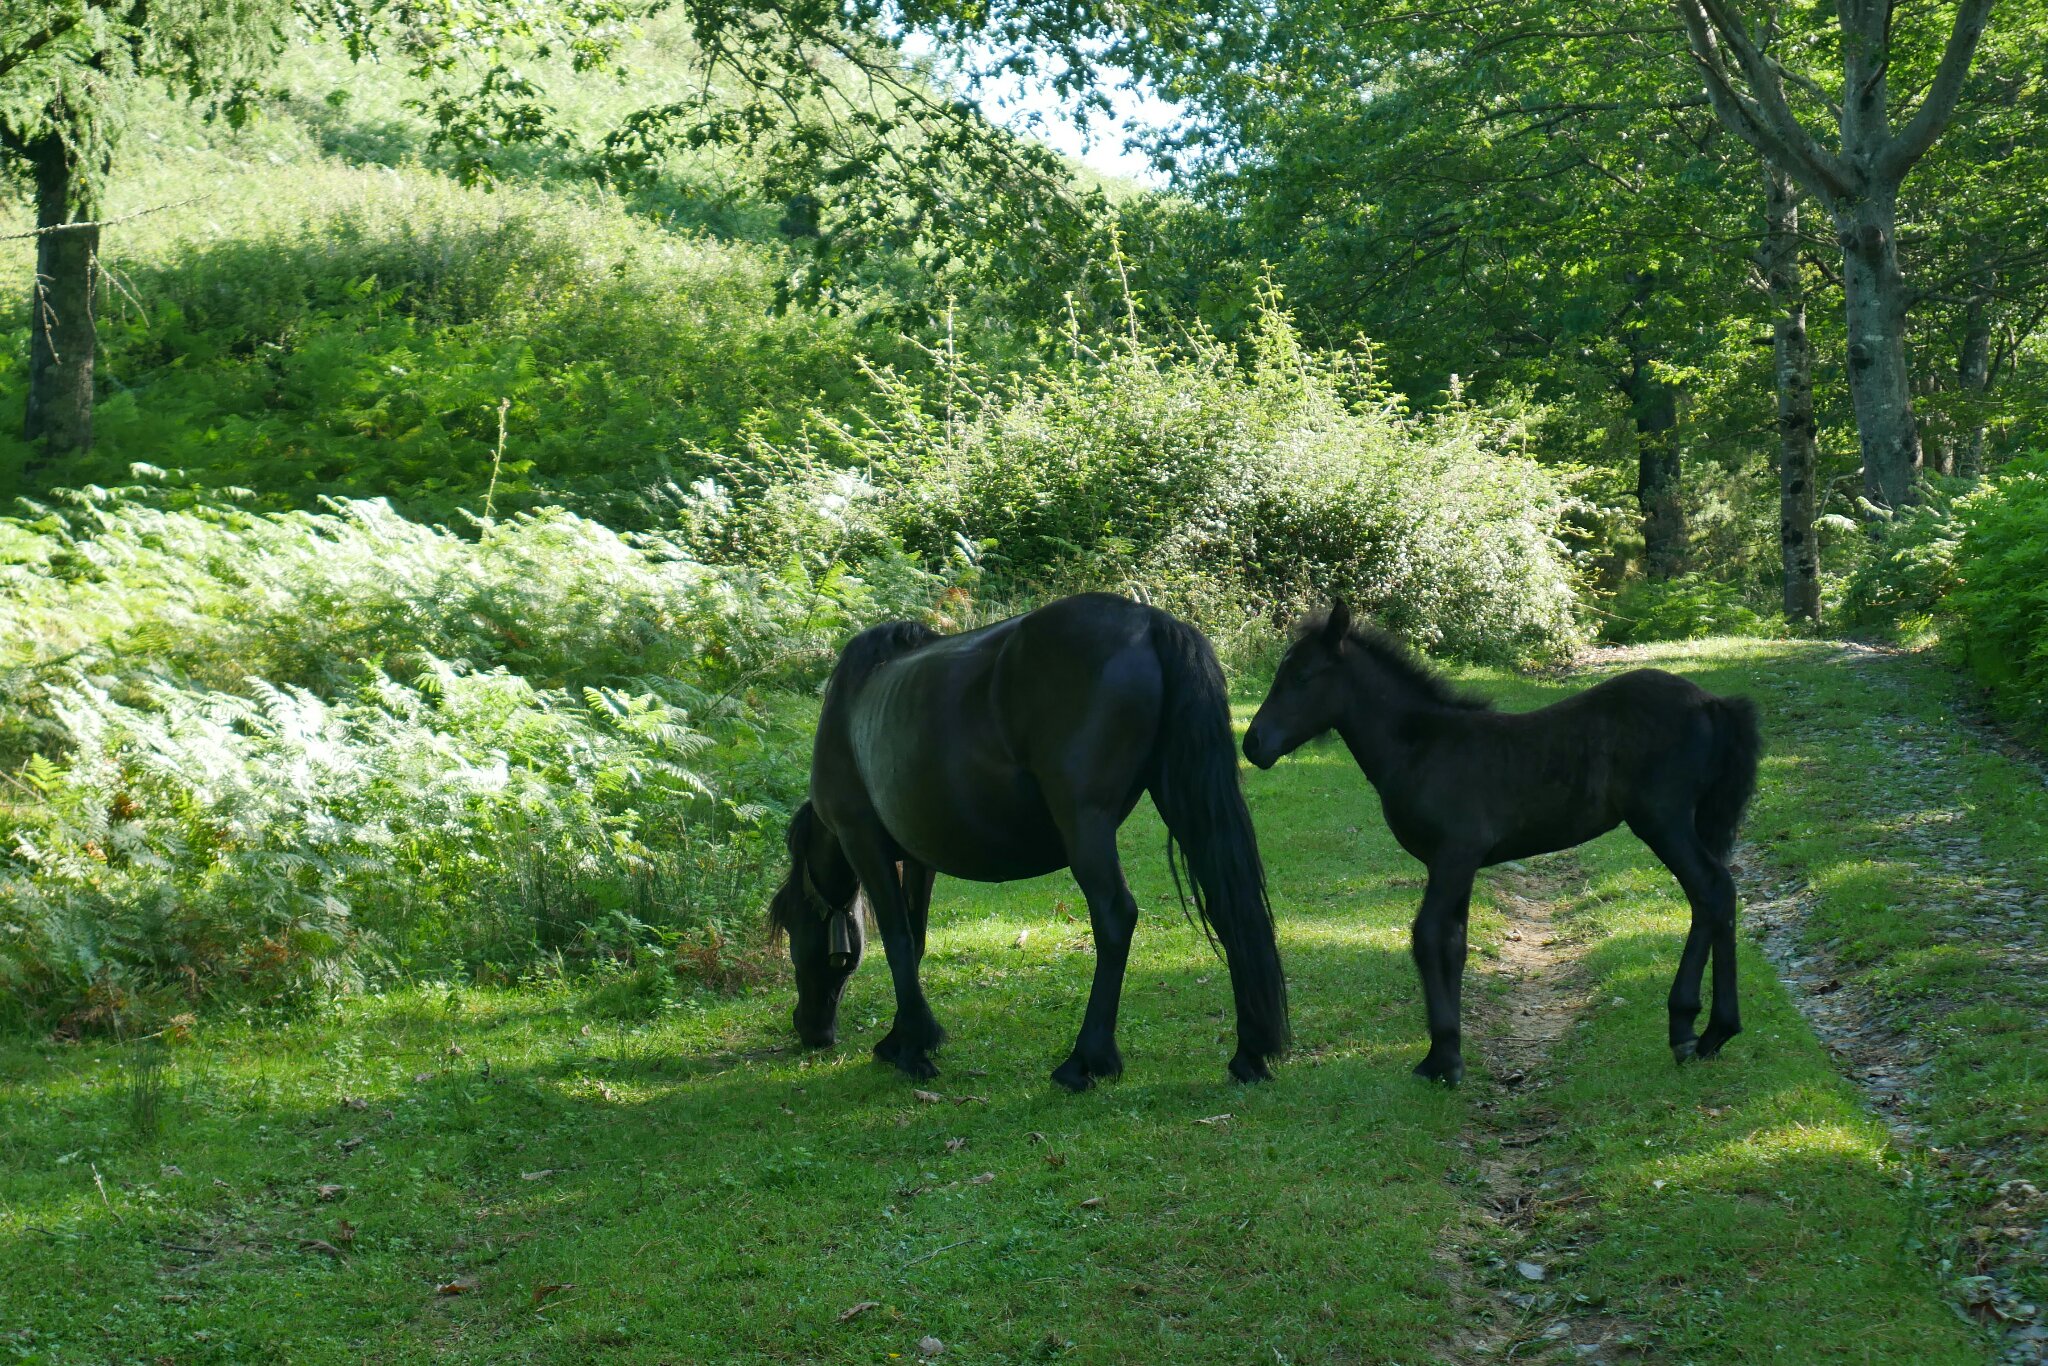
(969, 748)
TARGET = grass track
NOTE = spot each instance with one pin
(710, 1203)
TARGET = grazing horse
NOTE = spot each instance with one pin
(1464, 787)
(1009, 752)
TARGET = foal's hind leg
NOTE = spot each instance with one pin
(1438, 943)
(915, 1033)
(1113, 914)
(1711, 892)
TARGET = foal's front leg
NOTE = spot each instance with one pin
(1438, 943)
(915, 1033)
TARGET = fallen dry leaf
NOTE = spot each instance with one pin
(349, 1145)
(422, 1077)
(543, 1174)
(981, 1180)
(854, 1311)
(456, 1050)
(970, 1100)
(1531, 1271)
(321, 1246)
(1034, 1137)
(328, 1192)
(954, 1145)
(345, 1233)
(1055, 1160)
(461, 1285)
(1022, 935)
(1215, 1120)
(355, 1103)
(1093, 1202)
(929, 1347)
(543, 1289)
(927, 1097)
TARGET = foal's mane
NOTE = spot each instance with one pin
(1390, 654)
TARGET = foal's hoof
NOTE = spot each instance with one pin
(1711, 1041)
(1249, 1069)
(1449, 1071)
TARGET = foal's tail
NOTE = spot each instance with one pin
(1209, 838)
(1732, 780)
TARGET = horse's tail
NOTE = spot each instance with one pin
(1210, 844)
(1737, 743)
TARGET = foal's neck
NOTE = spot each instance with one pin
(1378, 721)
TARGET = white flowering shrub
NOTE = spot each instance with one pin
(1225, 486)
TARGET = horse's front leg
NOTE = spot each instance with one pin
(1113, 914)
(914, 1034)
(1438, 943)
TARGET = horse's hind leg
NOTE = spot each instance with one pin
(1711, 892)
(915, 1033)
(1113, 914)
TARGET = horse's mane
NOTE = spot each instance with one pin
(1392, 655)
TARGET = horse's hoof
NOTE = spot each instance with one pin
(1250, 1070)
(1684, 1051)
(1450, 1072)
(1072, 1076)
(912, 1062)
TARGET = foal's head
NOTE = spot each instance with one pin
(817, 909)
(1335, 668)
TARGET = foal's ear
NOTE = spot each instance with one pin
(1338, 624)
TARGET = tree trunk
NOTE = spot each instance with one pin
(1798, 543)
(1973, 373)
(1655, 405)
(1880, 386)
(62, 334)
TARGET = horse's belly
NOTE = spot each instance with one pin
(957, 805)
(991, 843)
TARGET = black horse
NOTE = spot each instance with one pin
(1464, 787)
(1009, 752)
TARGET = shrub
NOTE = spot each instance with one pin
(259, 755)
(1909, 570)
(1683, 608)
(1998, 606)
(1225, 487)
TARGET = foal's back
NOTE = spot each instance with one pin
(1512, 784)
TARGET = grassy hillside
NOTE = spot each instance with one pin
(312, 306)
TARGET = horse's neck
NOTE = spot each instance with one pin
(1380, 735)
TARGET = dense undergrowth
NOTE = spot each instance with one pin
(258, 755)
(1969, 565)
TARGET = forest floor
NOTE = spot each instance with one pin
(565, 1173)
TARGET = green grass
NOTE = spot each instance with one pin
(710, 1199)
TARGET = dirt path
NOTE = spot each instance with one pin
(1889, 1049)
(1519, 1006)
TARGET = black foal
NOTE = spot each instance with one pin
(1464, 787)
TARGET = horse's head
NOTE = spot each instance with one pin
(817, 909)
(1308, 689)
